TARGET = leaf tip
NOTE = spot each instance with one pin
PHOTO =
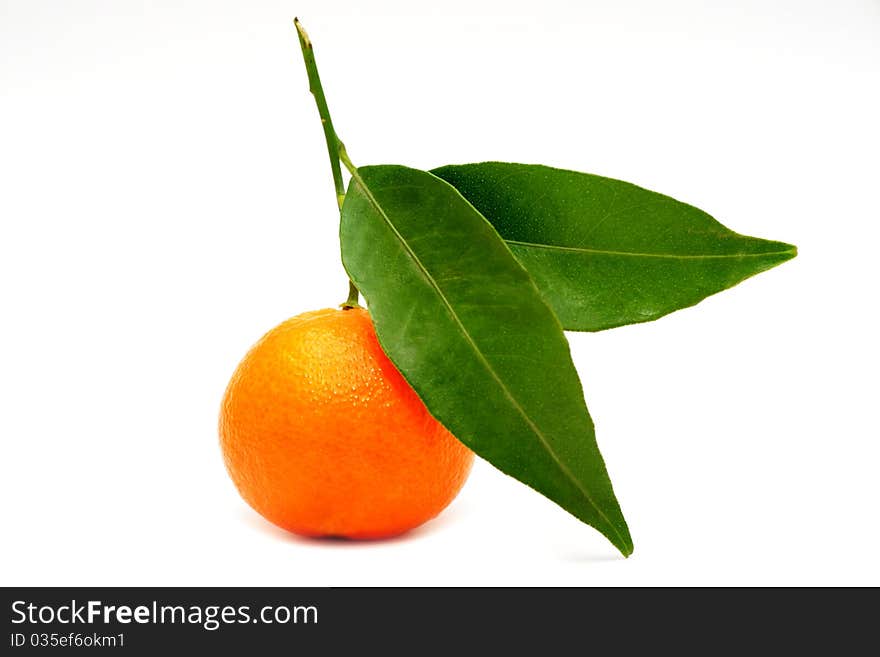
(783, 251)
(618, 534)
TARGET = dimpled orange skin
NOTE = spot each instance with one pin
(323, 436)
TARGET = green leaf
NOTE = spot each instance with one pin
(466, 326)
(605, 252)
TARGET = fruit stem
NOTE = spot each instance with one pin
(352, 301)
(333, 142)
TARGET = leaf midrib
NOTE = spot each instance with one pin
(488, 366)
(635, 254)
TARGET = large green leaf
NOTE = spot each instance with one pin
(466, 326)
(605, 252)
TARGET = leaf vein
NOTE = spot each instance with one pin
(634, 254)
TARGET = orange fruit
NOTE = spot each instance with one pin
(323, 436)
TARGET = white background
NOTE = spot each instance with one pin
(165, 199)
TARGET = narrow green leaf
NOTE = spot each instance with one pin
(605, 252)
(466, 326)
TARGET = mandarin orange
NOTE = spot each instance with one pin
(324, 437)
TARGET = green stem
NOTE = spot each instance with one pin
(352, 301)
(352, 169)
(334, 145)
(343, 155)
